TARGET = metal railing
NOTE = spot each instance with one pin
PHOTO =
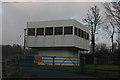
(50, 63)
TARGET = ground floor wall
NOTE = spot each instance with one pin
(62, 56)
(58, 52)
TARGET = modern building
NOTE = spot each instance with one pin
(58, 37)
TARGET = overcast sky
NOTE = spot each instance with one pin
(58, 0)
(0, 23)
(16, 15)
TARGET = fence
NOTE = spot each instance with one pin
(105, 66)
(49, 63)
(102, 60)
(9, 66)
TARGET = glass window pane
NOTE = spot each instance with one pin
(68, 30)
(87, 36)
(79, 32)
(49, 31)
(31, 32)
(40, 31)
(75, 31)
(58, 30)
(82, 33)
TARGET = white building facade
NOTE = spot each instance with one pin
(58, 38)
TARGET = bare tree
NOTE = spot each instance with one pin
(113, 14)
(112, 36)
(93, 20)
(110, 31)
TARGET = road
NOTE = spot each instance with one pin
(56, 75)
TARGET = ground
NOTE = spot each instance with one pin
(87, 73)
(48, 75)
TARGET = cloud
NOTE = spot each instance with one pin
(57, 0)
(0, 23)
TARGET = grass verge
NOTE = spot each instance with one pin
(109, 71)
(19, 75)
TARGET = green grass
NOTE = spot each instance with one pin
(89, 69)
(0, 73)
(19, 75)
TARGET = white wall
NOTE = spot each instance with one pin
(57, 40)
(50, 41)
(81, 43)
(58, 52)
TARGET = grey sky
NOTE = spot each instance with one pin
(16, 15)
(57, 0)
(0, 23)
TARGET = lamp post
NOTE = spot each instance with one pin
(24, 40)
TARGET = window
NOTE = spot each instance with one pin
(49, 31)
(58, 30)
(87, 36)
(75, 31)
(82, 33)
(40, 31)
(68, 30)
(79, 32)
(31, 31)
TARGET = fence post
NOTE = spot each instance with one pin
(6, 72)
(82, 64)
(95, 62)
(108, 60)
(84, 60)
(18, 63)
(53, 64)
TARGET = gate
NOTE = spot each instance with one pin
(35, 63)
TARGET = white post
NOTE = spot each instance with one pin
(63, 30)
(73, 31)
(35, 31)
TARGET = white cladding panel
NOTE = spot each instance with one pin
(56, 52)
(81, 43)
(57, 40)
(50, 41)
(60, 52)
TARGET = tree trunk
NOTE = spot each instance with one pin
(113, 31)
